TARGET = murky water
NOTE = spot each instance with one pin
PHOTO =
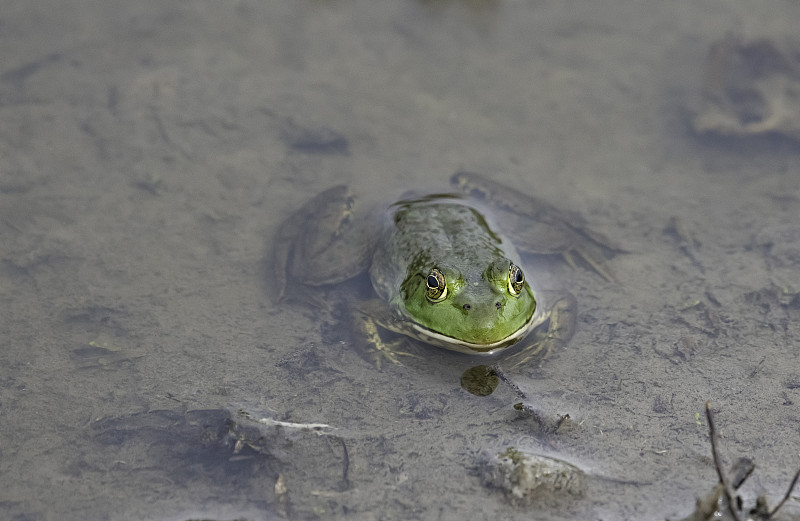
(148, 151)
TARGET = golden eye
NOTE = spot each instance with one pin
(516, 279)
(437, 288)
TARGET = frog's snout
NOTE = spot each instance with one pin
(478, 307)
(468, 307)
(479, 318)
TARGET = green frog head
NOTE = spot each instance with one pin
(477, 308)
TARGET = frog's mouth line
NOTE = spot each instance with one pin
(454, 344)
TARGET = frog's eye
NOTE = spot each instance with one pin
(437, 288)
(516, 279)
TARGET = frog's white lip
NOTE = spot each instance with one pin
(454, 344)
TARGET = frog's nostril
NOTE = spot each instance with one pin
(497, 304)
(467, 307)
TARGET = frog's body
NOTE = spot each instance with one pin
(443, 274)
(479, 311)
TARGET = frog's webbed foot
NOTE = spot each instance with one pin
(553, 335)
(367, 327)
(592, 247)
(590, 257)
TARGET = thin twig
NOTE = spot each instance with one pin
(730, 495)
(507, 380)
(786, 497)
(345, 465)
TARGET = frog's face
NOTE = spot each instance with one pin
(474, 311)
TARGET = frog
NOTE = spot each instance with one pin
(444, 268)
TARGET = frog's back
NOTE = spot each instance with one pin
(422, 234)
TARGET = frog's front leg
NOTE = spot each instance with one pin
(369, 318)
(553, 335)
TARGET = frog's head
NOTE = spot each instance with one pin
(475, 312)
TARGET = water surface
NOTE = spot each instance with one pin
(149, 150)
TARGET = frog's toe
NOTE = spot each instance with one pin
(391, 351)
(374, 347)
(593, 259)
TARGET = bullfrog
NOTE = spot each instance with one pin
(443, 268)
